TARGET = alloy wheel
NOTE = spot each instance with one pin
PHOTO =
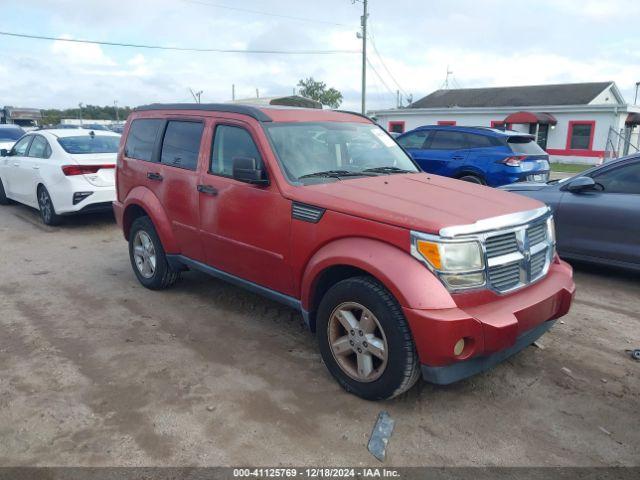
(44, 202)
(144, 254)
(357, 342)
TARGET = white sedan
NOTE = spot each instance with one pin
(61, 172)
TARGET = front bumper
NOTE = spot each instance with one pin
(494, 327)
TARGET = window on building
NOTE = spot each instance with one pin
(498, 124)
(396, 127)
(580, 135)
(446, 122)
(443, 140)
(142, 138)
(181, 144)
(232, 142)
(624, 179)
(414, 140)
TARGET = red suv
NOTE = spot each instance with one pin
(398, 272)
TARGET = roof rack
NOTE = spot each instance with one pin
(209, 107)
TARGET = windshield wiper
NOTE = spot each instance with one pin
(387, 170)
(336, 174)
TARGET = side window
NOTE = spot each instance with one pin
(229, 143)
(442, 140)
(39, 148)
(477, 141)
(20, 148)
(142, 138)
(181, 144)
(413, 140)
(625, 179)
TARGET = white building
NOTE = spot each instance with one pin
(574, 123)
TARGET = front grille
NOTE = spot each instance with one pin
(501, 245)
(527, 249)
(505, 277)
(537, 233)
(538, 262)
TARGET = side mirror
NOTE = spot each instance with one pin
(245, 169)
(582, 184)
(4, 152)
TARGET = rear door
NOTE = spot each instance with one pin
(604, 224)
(443, 152)
(141, 159)
(245, 228)
(179, 154)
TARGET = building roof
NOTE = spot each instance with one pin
(531, 95)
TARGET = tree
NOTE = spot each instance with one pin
(319, 92)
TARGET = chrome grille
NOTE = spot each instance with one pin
(505, 277)
(501, 245)
(537, 233)
(518, 256)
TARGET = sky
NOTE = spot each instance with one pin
(413, 43)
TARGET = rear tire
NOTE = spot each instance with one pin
(375, 357)
(4, 200)
(148, 259)
(47, 210)
(472, 179)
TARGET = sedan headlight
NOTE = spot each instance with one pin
(458, 264)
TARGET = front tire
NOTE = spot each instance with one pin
(365, 341)
(472, 179)
(148, 260)
(47, 210)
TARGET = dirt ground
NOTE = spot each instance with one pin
(98, 371)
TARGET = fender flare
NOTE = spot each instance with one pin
(410, 282)
(145, 199)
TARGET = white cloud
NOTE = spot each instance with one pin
(80, 53)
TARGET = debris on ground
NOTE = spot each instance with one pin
(379, 439)
(538, 344)
(604, 430)
(211, 408)
(635, 354)
(567, 371)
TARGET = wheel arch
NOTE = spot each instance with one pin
(410, 282)
(142, 202)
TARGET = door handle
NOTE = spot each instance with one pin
(35, 167)
(154, 176)
(208, 190)
(457, 157)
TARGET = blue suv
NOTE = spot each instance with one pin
(483, 155)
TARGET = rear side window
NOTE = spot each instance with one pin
(39, 148)
(181, 144)
(525, 145)
(229, 143)
(142, 138)
(413, 140)
(442, 140)
(478, 141)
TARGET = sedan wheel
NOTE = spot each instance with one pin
(47, 211)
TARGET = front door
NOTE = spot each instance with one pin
(245, 229)
(443, 153)
(17, 175)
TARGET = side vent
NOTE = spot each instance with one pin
(306, 213)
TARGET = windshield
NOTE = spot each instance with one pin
(305, 149)
(10, 134)
(525, 145)
(90, 144)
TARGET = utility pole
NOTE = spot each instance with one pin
(115, 104)
(257, 93)
(80, 105)
(363, 22)
(233, 91)
(635, 101)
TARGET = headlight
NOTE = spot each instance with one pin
(551, 230)
(459, 265)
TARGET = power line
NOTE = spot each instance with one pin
(181, 49)
(381, 79)
(384, 65)
(258, 12)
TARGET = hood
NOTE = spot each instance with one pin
(524, 187)
(418, 201)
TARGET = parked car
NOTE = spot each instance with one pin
(398, 272)
(482, 155)
(9, 134)
(597, 212)
(60, 172)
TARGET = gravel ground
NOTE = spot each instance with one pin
(98, 371)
